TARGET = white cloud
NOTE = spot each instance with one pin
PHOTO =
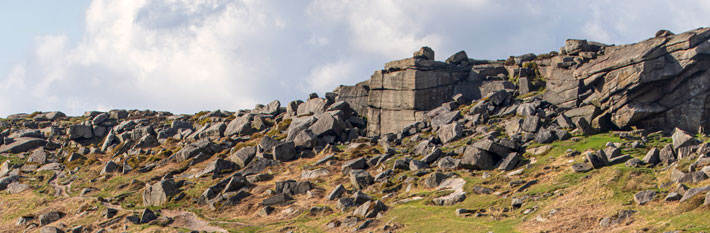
(186, 56)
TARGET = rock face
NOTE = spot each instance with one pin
(406, 89)
(662, 82)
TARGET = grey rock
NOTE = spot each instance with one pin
(147, 216)
(652, 156)
(336, 193)
(159, 193)
(38, 156)
(475, 158)
(110, 167)
(278, 199)
(22, 144)
(50, 229)
(693, 192)
(360, 179)
(433, 180)
(681, 139)
(50, 217)
(284, 152)
(243, 156)
(450, 132)
(510, 162)
(80, 132)
(644, 197)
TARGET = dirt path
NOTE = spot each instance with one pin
(184, 219)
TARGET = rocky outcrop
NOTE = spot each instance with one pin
(662, 82)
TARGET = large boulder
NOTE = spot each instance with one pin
(159, 193)
(475, 158)
(203, 146)
(450, 132)
(80, 132)
(22, 144)
(239, 126)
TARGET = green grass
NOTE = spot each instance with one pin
(416, 216)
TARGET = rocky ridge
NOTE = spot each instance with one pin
(488, 139)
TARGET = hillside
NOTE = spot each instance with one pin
(590, 138)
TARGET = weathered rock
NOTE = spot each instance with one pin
(620, 217)
(360, 163)
(22, 144)
(457, 58)
(475, 158)
(110, 167)
(159, 193)
(415, 165)
(147, 216)
(284, 152)
(278, 199)
(693, 192)
(313, 174)
(652, 156)
(50, 229)
(17, 187)
(595, 160)
(38, 156)
(432, 156)
(336, 193)
(360, 179)
(450, 199)
(239, 126)
(510, 162)
(644, 197)
(193, 149)
(50, 217)
(433, 180)
(450, 132)
(681, 139)
(80, 132)
(666, 155)
(448, 163)
(243, 156)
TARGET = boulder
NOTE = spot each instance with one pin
(38, 156)
(433, 180)
(22, 144)
(681, 138)
(278, 199)
(360, 179)
(644, 197)
(191, 150)
(243, 156)
(510, 162)
(80, 132)
(110, 167)
(284, 151)
(450, 132)
(159, 193)
(50, 217)
(239, 126)
(425, 53)
(147, 216)
(336, 193)
(652, 157)
(457, 58)
(50, 229)
(475, 158)
(666, 155)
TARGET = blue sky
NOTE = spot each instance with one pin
(186, 56)
(22, 21)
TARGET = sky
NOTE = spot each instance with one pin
(186, 56)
